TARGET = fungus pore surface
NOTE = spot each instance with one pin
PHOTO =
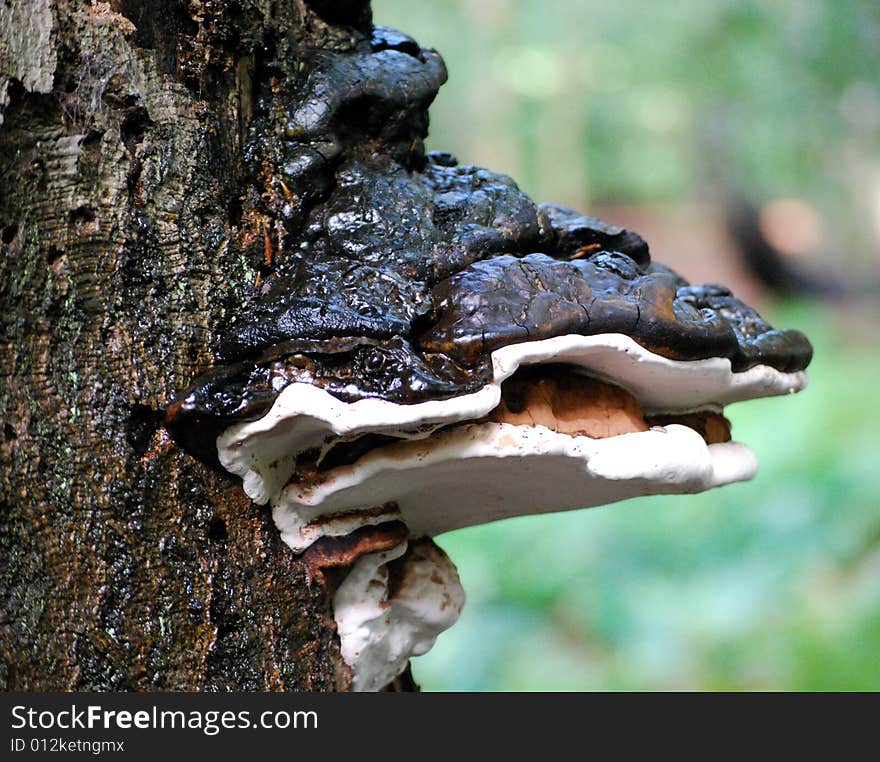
(428, 349)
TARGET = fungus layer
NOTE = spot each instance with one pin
(444, 464)
(428, 349)
(393, 605)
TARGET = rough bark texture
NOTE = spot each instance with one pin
(124, 563)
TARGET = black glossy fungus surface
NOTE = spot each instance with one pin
(395, 273)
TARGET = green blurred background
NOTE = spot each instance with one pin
(654, 115)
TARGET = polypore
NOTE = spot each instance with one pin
(436, 352)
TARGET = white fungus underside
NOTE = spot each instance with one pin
(303, 417)
(473, 474)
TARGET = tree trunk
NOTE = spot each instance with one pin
(130, 218)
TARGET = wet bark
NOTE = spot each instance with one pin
(126, 564)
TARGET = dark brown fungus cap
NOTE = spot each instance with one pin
(507, 300)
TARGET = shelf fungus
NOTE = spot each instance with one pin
(432, 351)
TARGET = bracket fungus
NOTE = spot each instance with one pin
(431, 350)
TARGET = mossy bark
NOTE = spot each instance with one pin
(125, 564)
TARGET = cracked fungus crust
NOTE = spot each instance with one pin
(427, 349)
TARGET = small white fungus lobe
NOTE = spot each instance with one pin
(380, 628)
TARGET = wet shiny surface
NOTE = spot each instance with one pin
(395, 273)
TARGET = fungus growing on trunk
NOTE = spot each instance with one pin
(432, 351)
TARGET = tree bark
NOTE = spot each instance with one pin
(125, 216)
